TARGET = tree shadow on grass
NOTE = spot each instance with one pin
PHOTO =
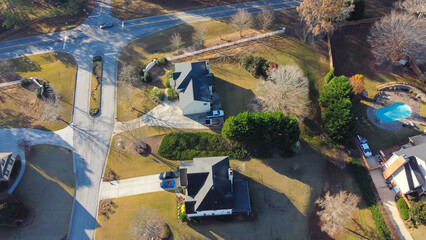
(24, 64)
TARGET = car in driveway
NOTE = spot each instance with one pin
(168, 175)
(106, 25)
(215, 114)
(167, 184)
(366, 150)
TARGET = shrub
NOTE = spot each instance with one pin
(359, 9)
(162, 61)
(146, 77)
(329, 76)
(256, 65)
(418, 212)
(180, 146)
(25, 82)
(337, 88)
(38, 93)
(403, 208)
(238, 153)
(339, 122)
(357, 82)
(157, 94)
(265, 127)
(97, 59)
(94, 112)
(171, 94)
(168, 83)
(182, 217)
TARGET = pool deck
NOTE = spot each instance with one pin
(388, 98)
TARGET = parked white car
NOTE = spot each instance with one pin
(366, 150)
(215, 114)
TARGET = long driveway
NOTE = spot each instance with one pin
(90, 138)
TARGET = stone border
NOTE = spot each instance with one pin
(388, 97)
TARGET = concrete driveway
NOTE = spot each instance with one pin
(130, 186)
(388, 199)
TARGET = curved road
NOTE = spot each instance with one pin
(90, 138)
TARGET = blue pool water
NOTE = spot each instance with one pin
(395, 112)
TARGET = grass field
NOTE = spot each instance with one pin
(45, 17)
(19, 107)
(128, 165)
(146, 8)
(96, 85)
(48, 187)
(282, 190)
(231, 80)
(352, 55)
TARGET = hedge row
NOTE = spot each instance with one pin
(403, 208)
(180, 146)
(363, 179)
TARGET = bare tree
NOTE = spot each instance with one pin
(198, 35)
(336, 211)
(242, 20)
(398, 36)
(265, 18)
(135, 137)
(417, 7)
(6, 68)
(127, 75)
(176, 41)
(286, 89)
(51, 109)
(320, 16)
(126, 78)
(147, 224)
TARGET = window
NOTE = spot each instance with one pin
(2, 162)
(6, 173)
(205, 104)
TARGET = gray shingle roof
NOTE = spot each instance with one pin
(193, 80)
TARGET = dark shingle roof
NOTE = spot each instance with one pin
(212, 192)
(241, 196)
(418, 139)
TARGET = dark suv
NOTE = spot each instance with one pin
(168, 175)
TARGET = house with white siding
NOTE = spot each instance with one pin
(194, 84)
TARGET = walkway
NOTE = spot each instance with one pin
(167, 114)
(130, 186)
(9, 83)
(388, 199)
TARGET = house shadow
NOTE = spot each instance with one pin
(275, 217)
(234, 99)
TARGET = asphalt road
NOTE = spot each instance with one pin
(92, 137)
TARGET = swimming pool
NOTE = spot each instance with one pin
(394, 112)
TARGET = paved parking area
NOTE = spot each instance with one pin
(372, 162)
(387, 197)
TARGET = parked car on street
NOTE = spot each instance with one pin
(168, 175)
(167, 184)
(214, 122)
(366, 150)
(106, 25)
(215, 114)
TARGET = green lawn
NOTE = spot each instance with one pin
(352, 55)
(282, 190)
(128, 165)
(19, 107)
(48, 187)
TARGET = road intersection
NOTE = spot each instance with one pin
(91, 138)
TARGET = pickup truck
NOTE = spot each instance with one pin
(215, 114)
(214, 122)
